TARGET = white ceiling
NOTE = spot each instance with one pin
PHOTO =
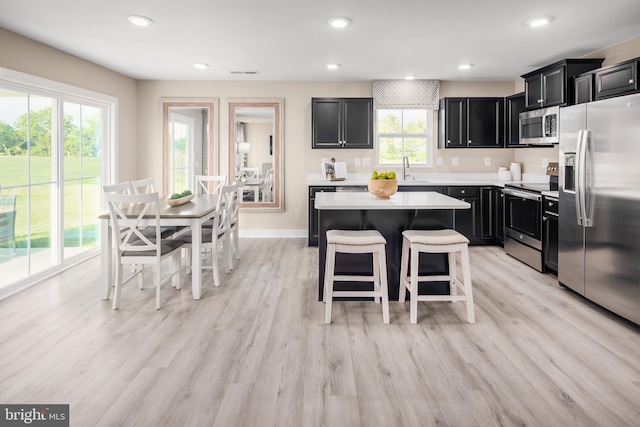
(291, 40)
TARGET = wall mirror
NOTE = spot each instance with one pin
(189, 144)
(256, 145)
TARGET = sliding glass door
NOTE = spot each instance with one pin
(50, 179)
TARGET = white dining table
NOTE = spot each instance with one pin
(191, 214)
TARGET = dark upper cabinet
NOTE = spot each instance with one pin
(342, 122)
(615, 80)
(514, 105)
(553, 84)
(583, 85)
(471, 122)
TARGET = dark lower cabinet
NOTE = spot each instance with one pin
(498, 201)
(550, 242)
(313, 213)
(467, 221)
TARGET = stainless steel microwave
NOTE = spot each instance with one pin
(540, 127)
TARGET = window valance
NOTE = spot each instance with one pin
(390, 94)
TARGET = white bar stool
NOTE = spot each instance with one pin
(435, 241)
(356, 242)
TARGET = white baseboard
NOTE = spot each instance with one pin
(273, 233)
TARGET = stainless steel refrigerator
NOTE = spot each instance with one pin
(599, 203)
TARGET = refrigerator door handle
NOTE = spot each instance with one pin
(587, 194)
(578, 178)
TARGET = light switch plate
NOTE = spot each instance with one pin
(545, 162)
(487, 161)
(439, 161)
(366, 161)
(356, 161)
(454, 161)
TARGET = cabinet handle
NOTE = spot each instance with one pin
(463, 191)
(469, 141)
(448, 141)
(540, 101)
(630, 81)
(544, 218)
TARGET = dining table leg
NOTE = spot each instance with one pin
(196, 259)
(106, 255)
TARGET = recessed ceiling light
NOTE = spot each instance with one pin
(339, 22)
(201, 66)
(140, 21)
(409, 77)
(464, 66)
(538, 22)
(333, 66)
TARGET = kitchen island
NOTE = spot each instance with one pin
(426, 210)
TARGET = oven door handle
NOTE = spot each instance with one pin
(523, 194)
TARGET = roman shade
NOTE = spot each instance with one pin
(406, 94)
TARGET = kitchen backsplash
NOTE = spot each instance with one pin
(533, 160)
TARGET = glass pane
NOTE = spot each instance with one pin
(42, 137)
(42, 205)
(13, 230)
(72, 214)
(91, 141)
(91, 209)
(180, 157)
(390, 150)
(13, 138)
(389, 121)
(72, 136)
(416, 150)
(414, 121)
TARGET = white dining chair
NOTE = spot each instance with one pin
(231, 245)
(213, 239)
(209, 184)
(250, 172)
(135, 248)
(146, 186)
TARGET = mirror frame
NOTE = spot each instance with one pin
(277, 205)
(212, 104)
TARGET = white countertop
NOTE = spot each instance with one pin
(401, 200)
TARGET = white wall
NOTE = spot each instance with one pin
(30, 57)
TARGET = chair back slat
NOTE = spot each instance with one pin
(210, 184)
(127, 212)
(143, 186)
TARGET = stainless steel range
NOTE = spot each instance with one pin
(523, 228)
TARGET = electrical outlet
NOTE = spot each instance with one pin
(454, 161)
(439, 161)
(487, 161)
(545, 162)
(366, 161)
(357, 161)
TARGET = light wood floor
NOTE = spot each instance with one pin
(255, 352)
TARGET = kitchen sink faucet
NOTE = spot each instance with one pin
(405, 166)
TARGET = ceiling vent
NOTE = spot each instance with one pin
(244, 72)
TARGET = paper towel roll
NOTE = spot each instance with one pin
(516, 171)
